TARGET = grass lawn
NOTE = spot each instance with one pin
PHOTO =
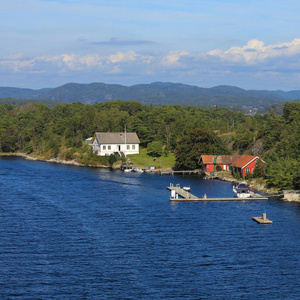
(144, 161)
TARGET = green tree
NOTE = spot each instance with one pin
(197, 142)
(155, 149)
(291, 111)
(112, 159)
(284, 174)
(8, 140)
(259, 169)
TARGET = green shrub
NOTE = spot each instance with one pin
(219, 169)
(155, 149)
(112, 159)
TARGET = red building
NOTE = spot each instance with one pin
(246, 165)
(241, 164)
(209, 163)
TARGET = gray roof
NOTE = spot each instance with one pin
(117, 137)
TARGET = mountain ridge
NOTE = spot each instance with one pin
(156, 93)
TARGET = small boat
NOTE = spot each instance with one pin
(187, 188)
(242, 190)
(127, 168)
(138, 170)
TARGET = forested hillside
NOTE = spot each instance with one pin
(157, 93)
(61, 131)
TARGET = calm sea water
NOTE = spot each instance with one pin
(81, 233)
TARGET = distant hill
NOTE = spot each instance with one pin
(157, 93)
(20, 93)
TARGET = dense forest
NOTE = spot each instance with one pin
(60, 131)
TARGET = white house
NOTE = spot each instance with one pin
(121, 143)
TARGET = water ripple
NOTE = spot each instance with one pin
(78, 233)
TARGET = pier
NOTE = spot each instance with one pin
(178, 191)
(262, 220)
(191, 172)
(179, 194)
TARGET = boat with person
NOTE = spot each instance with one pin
(241, 190)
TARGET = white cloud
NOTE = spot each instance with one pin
(256, 52)
(122, 57)
(252, 61)
(172, 59)
(130, 56)
(16, 63)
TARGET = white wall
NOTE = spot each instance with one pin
(111, 148)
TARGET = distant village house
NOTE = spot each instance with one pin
(242, 164)
(120, 143)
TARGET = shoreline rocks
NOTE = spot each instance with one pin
(252, 184)
(53, 160)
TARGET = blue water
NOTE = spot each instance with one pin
(82, 233)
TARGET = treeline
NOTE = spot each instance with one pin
(23, 102)
(281, 146)
(60, 131)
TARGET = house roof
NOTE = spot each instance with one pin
(116, 137)
(221, 159)
(244, 161)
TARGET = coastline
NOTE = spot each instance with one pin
(260, 187)
(53, 160)
(253, 184)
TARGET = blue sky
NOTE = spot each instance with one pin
(252, 44)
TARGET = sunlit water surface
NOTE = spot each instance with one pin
(82, 233)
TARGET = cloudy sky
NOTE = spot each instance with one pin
(252, 44)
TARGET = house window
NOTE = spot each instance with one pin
(133, 147)
(108, 147)
(247, 170)
(128, 147)
(104, 147)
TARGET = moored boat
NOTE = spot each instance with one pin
(127, 168)
(138, 170)
(186, 188)
(241, 190)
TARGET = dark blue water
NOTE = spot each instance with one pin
(82, 233)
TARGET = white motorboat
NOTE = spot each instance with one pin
(241, 191)
(187, 188)
(138, 170)
(127, 168)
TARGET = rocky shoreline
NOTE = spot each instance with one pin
(53, 160)
(251, 183)
(259, 187)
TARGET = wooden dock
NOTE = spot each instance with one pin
(178, 194)
(178, 191)
(191, 172)
(262, 220)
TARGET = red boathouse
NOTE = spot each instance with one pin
(246, 165)
(210, 162)
(241, 164)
